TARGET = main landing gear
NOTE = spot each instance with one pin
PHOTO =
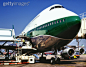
(56, 59)
(42, 59)
(52, 58)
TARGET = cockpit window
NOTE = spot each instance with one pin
(56, 7)
(52, 8)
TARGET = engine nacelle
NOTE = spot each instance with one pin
(66, 53)
(81, 50)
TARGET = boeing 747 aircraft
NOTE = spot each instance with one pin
(54, 27)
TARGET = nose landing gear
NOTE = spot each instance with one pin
(56, 59)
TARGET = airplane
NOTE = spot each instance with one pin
(52, 28)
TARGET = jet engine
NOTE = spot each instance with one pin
(67, 53)
(81, 50)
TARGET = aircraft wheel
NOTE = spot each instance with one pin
(52, 61)
(42, 59)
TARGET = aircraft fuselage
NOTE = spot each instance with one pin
(53, 28)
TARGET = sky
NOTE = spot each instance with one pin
(20, 15)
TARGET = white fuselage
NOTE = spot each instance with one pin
(48, 15)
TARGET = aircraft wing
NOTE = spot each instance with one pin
(24, 37)
(75, 47)
(8, 47)
(72, 47)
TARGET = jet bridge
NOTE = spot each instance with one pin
(82, 31)
(7, 34)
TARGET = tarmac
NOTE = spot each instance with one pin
(80, 62)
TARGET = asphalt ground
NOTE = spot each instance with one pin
(80, 62)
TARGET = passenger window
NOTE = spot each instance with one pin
(60, 21)
(50, 23)
(57, 21)
(46, 25)
(43, 26)
(63, 20)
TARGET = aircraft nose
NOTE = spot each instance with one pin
(73, 20)
(73, 24)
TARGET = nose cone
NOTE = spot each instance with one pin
(73, 20)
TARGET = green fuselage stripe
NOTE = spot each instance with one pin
(54, 27)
